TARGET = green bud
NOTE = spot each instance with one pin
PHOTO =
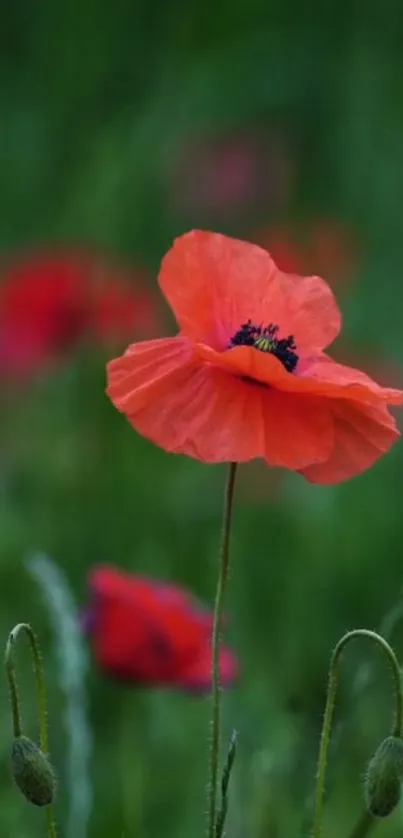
(32, 772)
(384, 777)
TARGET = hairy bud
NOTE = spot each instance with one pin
(384, 777)
(32, 772)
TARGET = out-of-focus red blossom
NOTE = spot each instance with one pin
(153, 633)
(231, 173)
(50, 301)
(322, 247)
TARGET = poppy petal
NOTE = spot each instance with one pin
(313, 316)
(214, 284)
(196, 409)
(362, 434)
(121, 640)
(346, 382)
(321, 377)
(142, 372)
(171, 595)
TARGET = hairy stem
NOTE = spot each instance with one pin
(363, 826)
(226, 776)
(218, 610)
(328, 717)
(12, 685)
(26, 629)
(50, 823)
(40, 683)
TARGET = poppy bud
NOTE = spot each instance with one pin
(32, 772)
(384, 777)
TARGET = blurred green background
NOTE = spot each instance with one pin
(121, 126)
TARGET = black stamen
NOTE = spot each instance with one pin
(264, 338)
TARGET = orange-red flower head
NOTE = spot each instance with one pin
(247, 375)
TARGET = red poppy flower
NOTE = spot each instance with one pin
(247, 376)
(50, 301)
(152, 633)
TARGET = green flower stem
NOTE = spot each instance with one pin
(40, 683)
(218, 609)
(12, 685)
(363, 825)
(50, 823)
(329, 709)
(226, 776)
(26, 629)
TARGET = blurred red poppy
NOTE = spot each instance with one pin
(247, 377)
(320, 246)
(152, 633)
(49, 301)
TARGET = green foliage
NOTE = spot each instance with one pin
(97, 102)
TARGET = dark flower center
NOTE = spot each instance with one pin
(265, 338)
